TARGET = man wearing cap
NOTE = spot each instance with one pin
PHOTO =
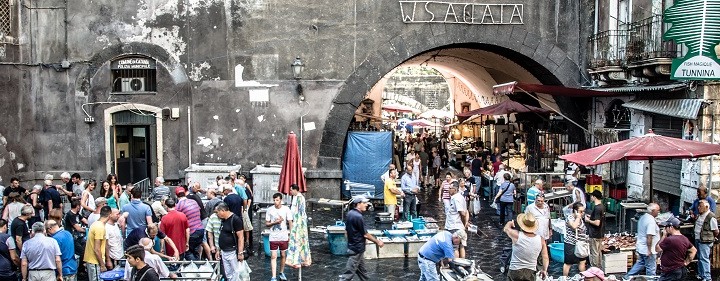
(192, 211)
(175, 225)
(438, 249)
(595, 222)
(41, 257)
(706, 231)
(357, 235)
(457, 217)
(593, 274)
(677, 251)
(526, 248)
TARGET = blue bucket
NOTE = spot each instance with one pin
(557, 251)
(418, 223)
(113, 275)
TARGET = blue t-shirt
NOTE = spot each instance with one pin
(694, 206)
(240, 190)
(355, 228)
(508, 195)
(439, 247)
(138, 213)
(67, 248)
(532, 194)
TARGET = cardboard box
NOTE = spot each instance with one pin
(615, 263)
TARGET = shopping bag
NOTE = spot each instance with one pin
(476, 206)
(582, 248)
(494, 205)
(244, 271)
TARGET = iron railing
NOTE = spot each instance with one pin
(145, 186)
(607, 48)
(645, 41)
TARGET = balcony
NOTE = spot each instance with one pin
(637, 50)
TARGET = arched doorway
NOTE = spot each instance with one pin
(133, 142)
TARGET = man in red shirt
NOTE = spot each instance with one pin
(175, 225)
(677, 251)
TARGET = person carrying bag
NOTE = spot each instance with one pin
(576, 245)
(505, 198)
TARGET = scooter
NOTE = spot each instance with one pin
(463, 270)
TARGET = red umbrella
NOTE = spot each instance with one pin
(647, 147)
(505, 107)
(291, 171)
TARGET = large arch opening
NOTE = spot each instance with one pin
(469, 68)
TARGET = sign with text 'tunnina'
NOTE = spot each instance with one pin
(463, 13)
(695, 23)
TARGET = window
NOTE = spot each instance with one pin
(5, 19)
(133, 74)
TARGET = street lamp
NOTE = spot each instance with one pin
(297, 68)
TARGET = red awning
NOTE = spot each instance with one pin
(505, 107)
(560, 91)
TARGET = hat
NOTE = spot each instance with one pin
(179, 190)
(460, 233)
(597, 193)
(360, 199)
(594, 272)
(672, 221)
(527, 222)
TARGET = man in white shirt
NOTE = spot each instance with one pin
(279, 219)
(114, 237)
(648, 235)
(541, 211)
(457, 217)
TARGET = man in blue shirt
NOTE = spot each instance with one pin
(439, 248)
(136, 214)
(702, 193)
(410, 187)
(356, 235)
(67, 247)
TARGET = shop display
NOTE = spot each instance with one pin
(619, 241)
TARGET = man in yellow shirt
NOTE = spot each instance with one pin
(390, 192)
(97, 259)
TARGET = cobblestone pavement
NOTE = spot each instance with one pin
(484, 248)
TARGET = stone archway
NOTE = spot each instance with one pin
(108, 122)
(546, 61)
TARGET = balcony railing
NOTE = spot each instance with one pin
(637, 41)
(645, 41)
(607, 48)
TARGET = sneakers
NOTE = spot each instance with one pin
(273, 279)
(282, 276)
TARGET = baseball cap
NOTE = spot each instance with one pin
(360, 199)
(179, 190)
(672, 221)
(594, 272)
(460, 233)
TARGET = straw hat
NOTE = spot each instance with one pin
(527, 222)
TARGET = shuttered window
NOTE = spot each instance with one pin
(666, 173)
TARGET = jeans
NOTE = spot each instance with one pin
(196, 239)
(675, 275)
(478, 187)
(355, 266)
(428, 270)
(410, 206)
(703, 256)
(505, 209)
(646, 262)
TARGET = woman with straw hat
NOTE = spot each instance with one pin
(526, 248)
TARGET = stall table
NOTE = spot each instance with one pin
(327, 202)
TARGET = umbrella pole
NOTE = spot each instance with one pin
(651, 180)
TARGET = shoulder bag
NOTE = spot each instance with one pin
(582, 248)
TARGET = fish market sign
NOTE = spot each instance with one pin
(697, 25)
(464, 13)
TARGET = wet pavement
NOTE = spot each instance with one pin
(485, 247)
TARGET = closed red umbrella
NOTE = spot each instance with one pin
(291, 171)
(647, 147)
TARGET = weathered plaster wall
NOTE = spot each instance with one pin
(199, 43)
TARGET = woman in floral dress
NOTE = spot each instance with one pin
(299, 246)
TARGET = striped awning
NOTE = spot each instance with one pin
(643, 88)
(681, 108)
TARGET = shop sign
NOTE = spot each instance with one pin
(463, 13)
(133, 63)
(697, 25)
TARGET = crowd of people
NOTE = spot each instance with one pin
(39, 240)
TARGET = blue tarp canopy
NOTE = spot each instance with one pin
(367, 157)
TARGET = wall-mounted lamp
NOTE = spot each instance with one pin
(297, 68)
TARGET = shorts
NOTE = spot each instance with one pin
(247, 223)
(569, 255)
(278, 245)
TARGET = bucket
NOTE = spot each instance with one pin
(338, 243)
(418, 223)
(557, 251)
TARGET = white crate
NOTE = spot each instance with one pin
(371, 251)
(413, 248)
(392, 250)
(615, 263)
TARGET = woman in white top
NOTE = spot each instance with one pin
(574, 230)
(87, 201)
(416, 167)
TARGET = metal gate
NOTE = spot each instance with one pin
(666, 173)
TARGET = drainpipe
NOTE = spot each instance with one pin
(596, 16)
(189, 139)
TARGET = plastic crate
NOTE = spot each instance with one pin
(592, 187)
(557, 251)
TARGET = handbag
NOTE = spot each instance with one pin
(582, 248)
(497, 199)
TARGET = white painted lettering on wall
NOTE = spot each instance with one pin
(464, 13)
